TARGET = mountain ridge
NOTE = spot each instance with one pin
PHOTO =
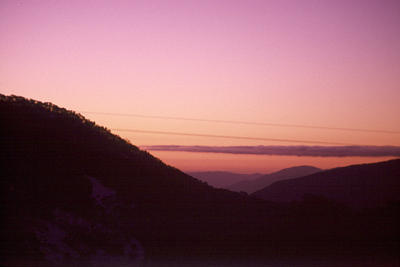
(262, 181)
(361, 185)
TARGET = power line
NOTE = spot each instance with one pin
(246, 122)
(232, 137)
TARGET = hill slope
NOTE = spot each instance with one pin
(73, 194)
(361, 186)
(64, 177)
(260, 182)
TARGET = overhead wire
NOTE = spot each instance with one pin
(232, 137)
(245, 122)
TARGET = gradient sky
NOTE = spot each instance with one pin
(330, 63)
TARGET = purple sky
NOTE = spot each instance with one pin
(330, 63)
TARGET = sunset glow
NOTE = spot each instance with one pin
(317, 63)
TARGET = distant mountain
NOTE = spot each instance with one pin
(361, 186)
(74, 194)
(260, 182)
(221, 179)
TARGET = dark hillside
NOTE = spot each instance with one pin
(49, 156)
(74, 194)
(360, 186)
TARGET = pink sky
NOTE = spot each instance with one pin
(330, 63)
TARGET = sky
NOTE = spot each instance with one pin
(317, 63)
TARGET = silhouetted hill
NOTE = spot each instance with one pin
(222, 179)
(72, 190)
(74, 194)
(251, 186)
(361, 186)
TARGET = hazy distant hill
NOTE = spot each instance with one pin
(222, 179)
(74, 194)
(262, 181)
(366, 185)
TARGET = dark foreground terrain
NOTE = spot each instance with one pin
(74, 194)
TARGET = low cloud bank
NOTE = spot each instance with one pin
(310, 151)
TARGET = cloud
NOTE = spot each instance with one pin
(310, 151)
